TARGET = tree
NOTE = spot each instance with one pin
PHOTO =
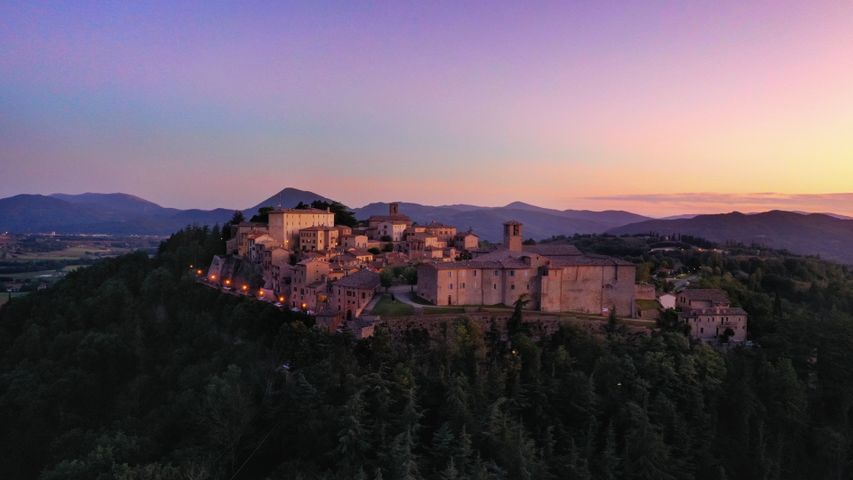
(514, 324)
(410, 275)
(386, 278)
(263, 215)
(343, 215)
(237, 218)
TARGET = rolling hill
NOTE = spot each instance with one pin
(121, 214)
(539, 222)
(806, 234)
(118, 213)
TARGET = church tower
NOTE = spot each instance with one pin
(393, 209)
(512, 236)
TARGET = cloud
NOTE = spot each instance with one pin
(840, 203)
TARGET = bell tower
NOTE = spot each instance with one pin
(393, 209)
(512, 236)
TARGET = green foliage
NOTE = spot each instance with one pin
(343, 215)
(129, 369)
(263, 215)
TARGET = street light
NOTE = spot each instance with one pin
(281, 299)
(227, 281)
(245, 288)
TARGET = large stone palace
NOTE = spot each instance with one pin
(554, 278)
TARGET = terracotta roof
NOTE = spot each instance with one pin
(434, 224)
(510, 259)
(389, 218)
(549, 250)
(313, 211)
(705, 294)
(319, 228)
(359, 279)
(587, 260)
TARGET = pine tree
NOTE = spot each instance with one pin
(450, 473)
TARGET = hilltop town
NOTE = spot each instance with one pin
(300, 259)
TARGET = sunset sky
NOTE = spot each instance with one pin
(655, 107)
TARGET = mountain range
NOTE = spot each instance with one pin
(828, 235)
(815, 233)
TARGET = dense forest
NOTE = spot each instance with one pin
(130, 370)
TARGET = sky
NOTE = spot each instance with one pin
(659, 108)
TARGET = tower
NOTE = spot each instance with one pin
(512, 236)
(393, 208)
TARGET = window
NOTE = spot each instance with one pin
(450, 286)
(512, 273)
(512, 287)
(497, 273)
(496, 286)
(462, 285)
(475, 273)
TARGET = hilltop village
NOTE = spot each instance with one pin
(300, 259)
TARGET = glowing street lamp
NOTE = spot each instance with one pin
(245, 288)
(281, 299)
(198, 272)
(228, 282)
(304, 306)
(261, 293)
(213, 277)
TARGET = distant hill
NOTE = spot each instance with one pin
(123, 214)
(539, 222)
(816, 234)
(108, 213)
(288, 198)
(118, 213)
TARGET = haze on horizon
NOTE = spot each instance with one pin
(659, 108)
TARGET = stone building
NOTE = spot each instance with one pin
(554, 278)
(353, 292)
(443, 232)
(285, 223)
(353, 241)
(238, 244)
(467, 241)
(711, 317)
(308, 285)
(318, 239)
(392, 225)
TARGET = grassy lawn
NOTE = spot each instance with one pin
(390, 308)
(647, 304)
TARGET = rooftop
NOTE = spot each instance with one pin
(300, 211)
(359, 279)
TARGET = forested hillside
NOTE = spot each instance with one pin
(130, 370)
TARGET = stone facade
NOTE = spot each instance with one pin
(553, 278)
(318, 239)
(352, 293)
(711, 317)
(285, 224)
